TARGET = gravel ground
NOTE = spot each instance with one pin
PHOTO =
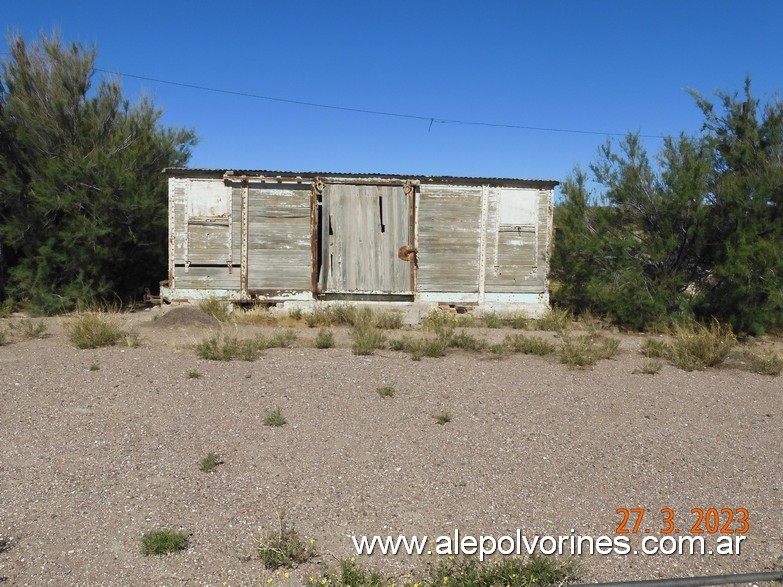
(93, 459)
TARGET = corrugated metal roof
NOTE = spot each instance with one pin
(267, 173)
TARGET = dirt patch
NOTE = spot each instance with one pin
(101, 446)
(182, 317)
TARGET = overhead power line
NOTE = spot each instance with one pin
(428, 119)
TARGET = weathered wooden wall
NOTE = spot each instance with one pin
(472, 240)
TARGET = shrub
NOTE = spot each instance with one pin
(519, 322)
(554, 319)
(655, 348)
(30, 329)
(499, 351)
(324, 339)
(163, 542)
(466, 341)
(491, 320)
(283, 547)
(696, 346)
(519, 343)
(221, 347)
(587, 350)
(296, 314)
(386, 391)
(387, 320)
(218, 309)
(509, 572)
(400, 344)
(209, 462)
(282, 340)
(649, 367)
(366, 339)
(275, 418)
(258, 315)
(92, 330)
(767, 363)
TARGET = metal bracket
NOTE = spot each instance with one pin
(318, 183)
(407, 187)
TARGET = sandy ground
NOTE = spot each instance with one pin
(93, 459)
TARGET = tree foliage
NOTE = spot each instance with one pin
(699, 233)
(83, 206)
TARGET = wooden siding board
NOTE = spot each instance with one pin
(448, 239)
(206, 278)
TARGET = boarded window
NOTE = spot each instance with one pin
(517, 208)
(209, 199)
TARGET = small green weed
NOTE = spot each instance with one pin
(519, 322)
(649, 367)
(218, 309)
(519, 343)
(296, 313)
(275, 418)
(209, 462)
(443, 418)
(163, 542)
(193, 374)
(29, 329)
(386, 391)
(366, 339)
(95, 367)
(324, 339)
(499, 351)
(283, 547)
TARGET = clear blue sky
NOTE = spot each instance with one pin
(607, 67)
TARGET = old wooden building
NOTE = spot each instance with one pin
(280, 236)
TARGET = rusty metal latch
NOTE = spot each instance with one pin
(407, 253)
(230, 264)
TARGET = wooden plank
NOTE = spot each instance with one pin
(206, 278)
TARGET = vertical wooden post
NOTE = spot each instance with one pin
(243, 272)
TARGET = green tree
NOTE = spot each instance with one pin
(744, 247)
(700, 233)
(83, 206)
(632, 252)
